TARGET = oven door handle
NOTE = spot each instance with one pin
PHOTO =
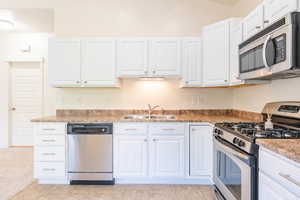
(231, 151)
(265, 53)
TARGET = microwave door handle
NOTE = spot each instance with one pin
(265, 53)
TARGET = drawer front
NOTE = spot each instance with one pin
(131, 129)
(167, 129)
(282, 170)
(50, 170)
(48, 140)
(50, 154)
(50, 129)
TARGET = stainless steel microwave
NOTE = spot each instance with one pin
(274, 52)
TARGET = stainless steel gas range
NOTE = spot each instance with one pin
(236, 152)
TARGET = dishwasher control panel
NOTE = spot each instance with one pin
(90, 128)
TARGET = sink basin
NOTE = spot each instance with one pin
(152, 117)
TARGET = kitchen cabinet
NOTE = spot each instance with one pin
(201, 150)
(50, 152)
(98, 62)
(254, 22)
(165, 57)
(131, 156)
(236, 37)
(275, 9)
(167, 156)
(132, 57)
(280, 181)
(216, 54)
(82, 63)
(64, 62)
(192, 62)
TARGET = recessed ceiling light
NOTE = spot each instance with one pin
(6, 20)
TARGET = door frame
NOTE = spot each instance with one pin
(41, 62)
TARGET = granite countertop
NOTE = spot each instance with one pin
(289, 148)
(120, 118)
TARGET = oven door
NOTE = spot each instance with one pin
(234, 172)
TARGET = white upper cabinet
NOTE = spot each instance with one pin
(216, 54)
(192, 62)
(64, 62)
(165, 57)
(82, 62)
(275, 9)
(99, 62)
(254, 22)
(132, 57)
(201, 150)
(236, 37)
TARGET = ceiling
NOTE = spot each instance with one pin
(32, 20)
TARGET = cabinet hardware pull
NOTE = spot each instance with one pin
(145, 140)
(154, 140)
(193, 129)
(77, 82)
(289, 178)
(154, 71)
(49, 129)
(130, 129)
(49, 154)
(186, 82)
(85, 81)
(49, 169)
(257, 27)
(49, 140)
(168, 129)
(145, 72)
(266, 21)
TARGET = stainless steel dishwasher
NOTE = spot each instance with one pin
(90, 153)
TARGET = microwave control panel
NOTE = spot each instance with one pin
(280, 48)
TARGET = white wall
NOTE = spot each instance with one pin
(10, 49)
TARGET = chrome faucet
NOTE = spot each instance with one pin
(152, 108)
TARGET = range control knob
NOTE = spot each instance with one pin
(216, 131)
(220, 132)
(242, 143)
(235, 140)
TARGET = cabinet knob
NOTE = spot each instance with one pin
(186, 82)
(13, 109)
(77, 82)
(153, 71)
(257, 27)
(266, 21)
(154, 140)
(225, 81)
(85, 81)
(145, 72)
(145, 140)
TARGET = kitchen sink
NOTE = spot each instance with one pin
(151, 117)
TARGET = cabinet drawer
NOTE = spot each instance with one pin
(50, 154)
(55, 140)
(167, 129)
(131, 129)
(282, 170)
(50, 170)
(50, 129)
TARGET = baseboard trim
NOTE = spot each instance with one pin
(183, 181)
(54, 181)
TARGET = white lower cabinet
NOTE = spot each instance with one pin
(50, 153)
(130, 156)
(160, 153)
(201, 150)
(167, 156)
(279, 177)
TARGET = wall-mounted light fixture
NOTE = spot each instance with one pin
(6, 20)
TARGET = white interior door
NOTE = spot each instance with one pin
(26, 101)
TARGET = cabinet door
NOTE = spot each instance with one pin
(165, 57)
(275, 9)
(201, 150)
(269, 189)
(99, 62)
(167, 156)
(216, 54)
(132, 57)
(64, 62)
(254, 22)
(130, 156)
(235, 39)
(192, 62)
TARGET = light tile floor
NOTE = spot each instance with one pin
(16, 170)
(117, 192)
